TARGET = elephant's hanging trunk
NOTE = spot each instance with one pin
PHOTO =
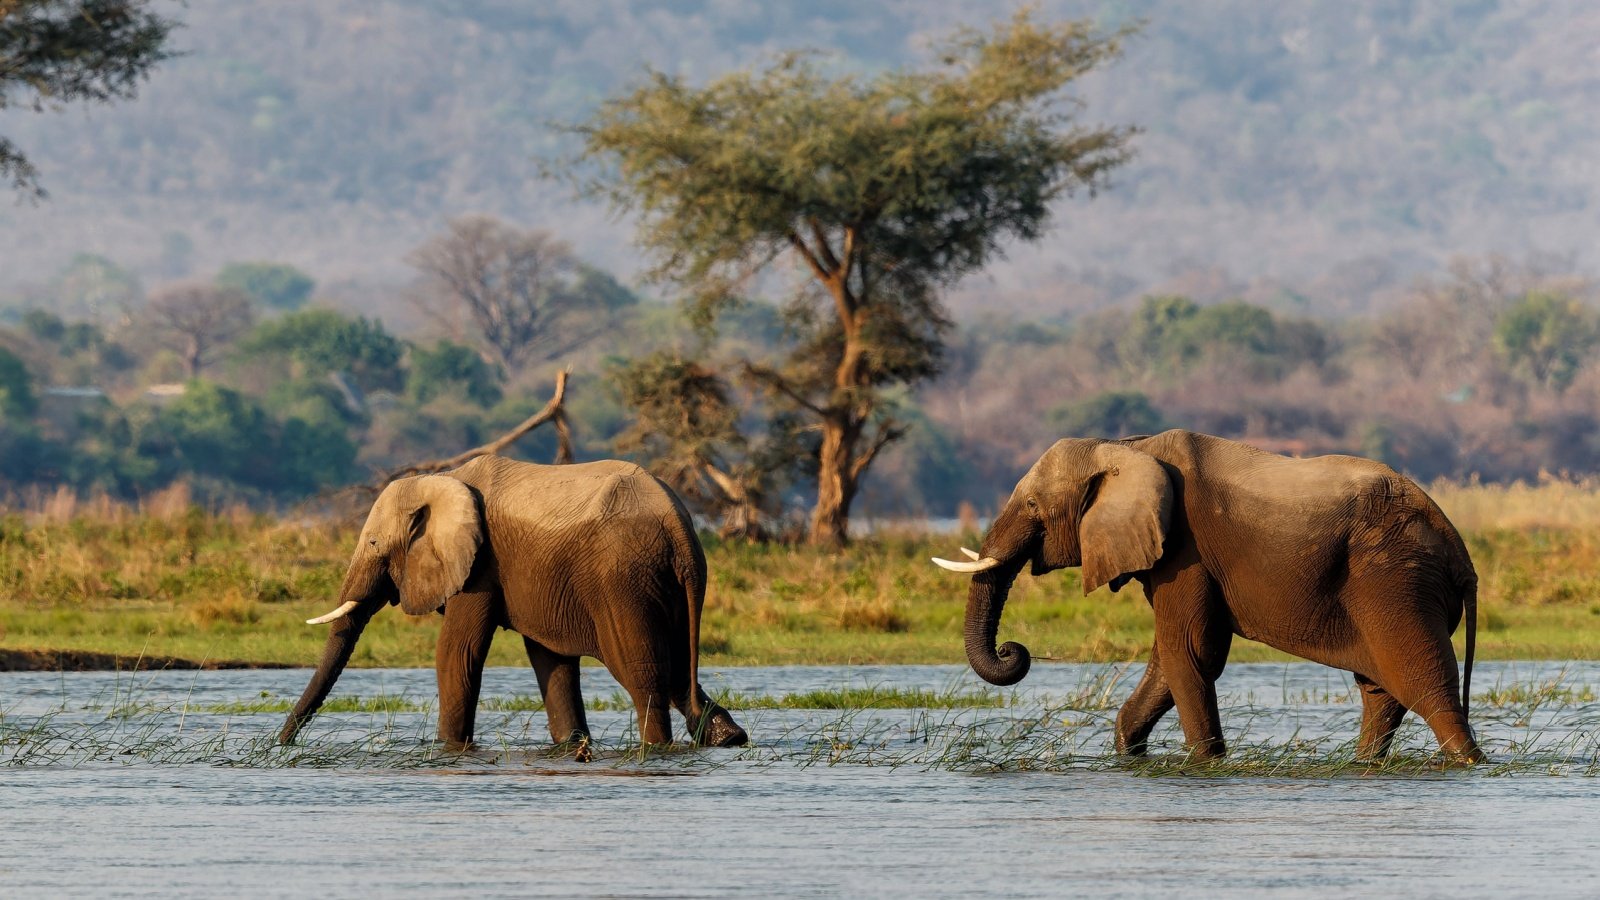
(360, 584)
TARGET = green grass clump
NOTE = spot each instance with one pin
(380, 703)
(872, 698)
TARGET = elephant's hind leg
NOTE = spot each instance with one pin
(463, 646)
(1380, 716)
(641, 664)
(1150, 700)
(558, 685)
(1416, 663)
(652, 704)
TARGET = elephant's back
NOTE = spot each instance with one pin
(573, 508)
(592, 491)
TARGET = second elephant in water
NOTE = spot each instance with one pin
(598, 559)
(1334, 559)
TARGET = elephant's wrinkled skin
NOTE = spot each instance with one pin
(1335, 559)
(598, 559)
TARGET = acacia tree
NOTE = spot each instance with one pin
(884, 189)
(54, 52)
(522, 291)
(196, 319)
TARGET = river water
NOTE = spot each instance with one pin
(161, 783)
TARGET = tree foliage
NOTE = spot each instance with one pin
(1168, 336)
(882, 190)
(319, 342)
(1547, 336)
(1111, 414)
(273, 285)
(93, 287)
(16, 388)
(223, 434)
(54, 52)
(447, 365)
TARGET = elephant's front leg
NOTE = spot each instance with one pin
(463, 646)
(1150, 700)
(1193, 638)
(558, 685)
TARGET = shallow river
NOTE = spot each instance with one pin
(161, 784)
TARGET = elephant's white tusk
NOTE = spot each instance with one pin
(979, 565)
(970, 554)
(341, 612)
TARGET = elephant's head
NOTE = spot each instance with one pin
(1097, 504)
(416, 549)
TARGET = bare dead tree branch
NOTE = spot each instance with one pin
(553, 412)
(521, 294)
(888, 433)
(771, 378)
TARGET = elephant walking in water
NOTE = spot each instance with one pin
(1335, 559)
(598, 559)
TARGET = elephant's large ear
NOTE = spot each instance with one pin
(445, 531)
(1126, 523)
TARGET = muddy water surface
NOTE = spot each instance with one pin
(160, 784)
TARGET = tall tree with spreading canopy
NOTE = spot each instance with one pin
(884, 189)
(53, 52)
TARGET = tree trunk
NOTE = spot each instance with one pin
(191, 357)
(836, 482)
(743, 516)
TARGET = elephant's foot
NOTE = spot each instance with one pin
(578, 744)
(1465, 759)
(459, 746)
(1136, 747)
(720, 730)
(1208, 751)
(726, 734)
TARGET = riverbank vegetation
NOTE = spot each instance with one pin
(168, 578)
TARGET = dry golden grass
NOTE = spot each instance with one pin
(1551, 502)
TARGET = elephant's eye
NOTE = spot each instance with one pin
(1033, 505)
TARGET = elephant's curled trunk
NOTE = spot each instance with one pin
(986, 600)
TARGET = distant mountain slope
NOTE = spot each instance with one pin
(1334, 148)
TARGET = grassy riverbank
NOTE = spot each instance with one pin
(171, 580)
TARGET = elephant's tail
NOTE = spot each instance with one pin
(1465, 576)
(693, 576)
(1469, 601)
(690, 560)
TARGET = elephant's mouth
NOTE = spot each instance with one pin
(1037, 565)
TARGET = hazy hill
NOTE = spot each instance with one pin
(1303, 154)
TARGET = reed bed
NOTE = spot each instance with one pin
(1549, 726)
